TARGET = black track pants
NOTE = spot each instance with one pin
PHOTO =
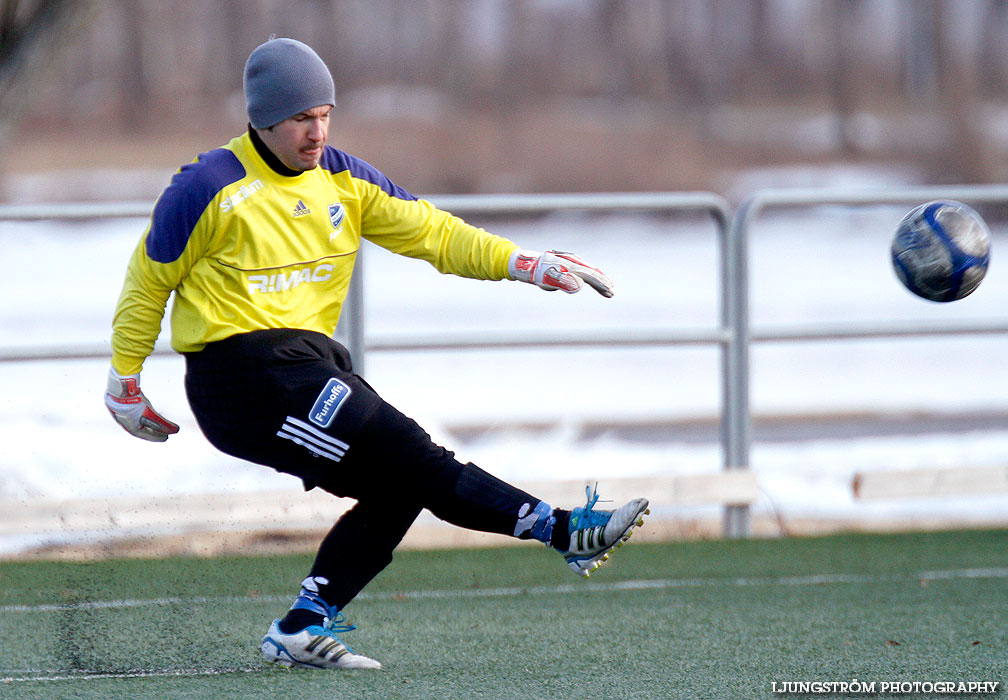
(288, 399)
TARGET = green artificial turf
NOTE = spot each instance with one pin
(699, 619)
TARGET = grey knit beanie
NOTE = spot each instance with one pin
(284, 77)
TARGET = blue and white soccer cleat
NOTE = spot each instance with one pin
(596, 533)
(313, 647)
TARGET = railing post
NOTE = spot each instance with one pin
(350, 329)
(735, 373)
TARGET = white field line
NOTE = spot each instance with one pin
(562, 589)
(94, 675)
(56, 675)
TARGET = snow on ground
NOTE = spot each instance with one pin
(61, 282)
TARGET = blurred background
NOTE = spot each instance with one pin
(104, 100)
(517, 95)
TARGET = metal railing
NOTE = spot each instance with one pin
(738, 412)
(732, 332)
(351, 329)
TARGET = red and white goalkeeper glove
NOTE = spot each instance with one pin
(555, 270)
(133, 411)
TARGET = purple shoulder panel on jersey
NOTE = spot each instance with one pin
(182, 203)
(336, 161)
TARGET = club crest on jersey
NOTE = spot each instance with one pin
(328, 403)
(336, 216)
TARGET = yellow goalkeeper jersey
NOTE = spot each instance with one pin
(245, 247)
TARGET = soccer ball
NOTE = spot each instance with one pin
(941, 250)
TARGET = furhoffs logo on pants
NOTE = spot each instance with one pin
(328, 403)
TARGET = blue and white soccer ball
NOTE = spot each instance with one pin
(941, 250)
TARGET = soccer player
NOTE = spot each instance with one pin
(258, 239)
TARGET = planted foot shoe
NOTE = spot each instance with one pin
(596, 533)
(313, 647)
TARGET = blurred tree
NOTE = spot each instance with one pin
(844, 76)
(993, 70)
(31, 35)
(942, 79)
(959, 101)
(721, 72)
(134, 76)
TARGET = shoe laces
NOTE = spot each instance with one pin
(586, 517)
(337, 623)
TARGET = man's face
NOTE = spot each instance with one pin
(297, 141)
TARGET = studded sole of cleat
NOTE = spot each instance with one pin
(289, 664)
(605, 554)
(294, 665)
(285, 665)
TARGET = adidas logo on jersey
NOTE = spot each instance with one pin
(301, 209)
